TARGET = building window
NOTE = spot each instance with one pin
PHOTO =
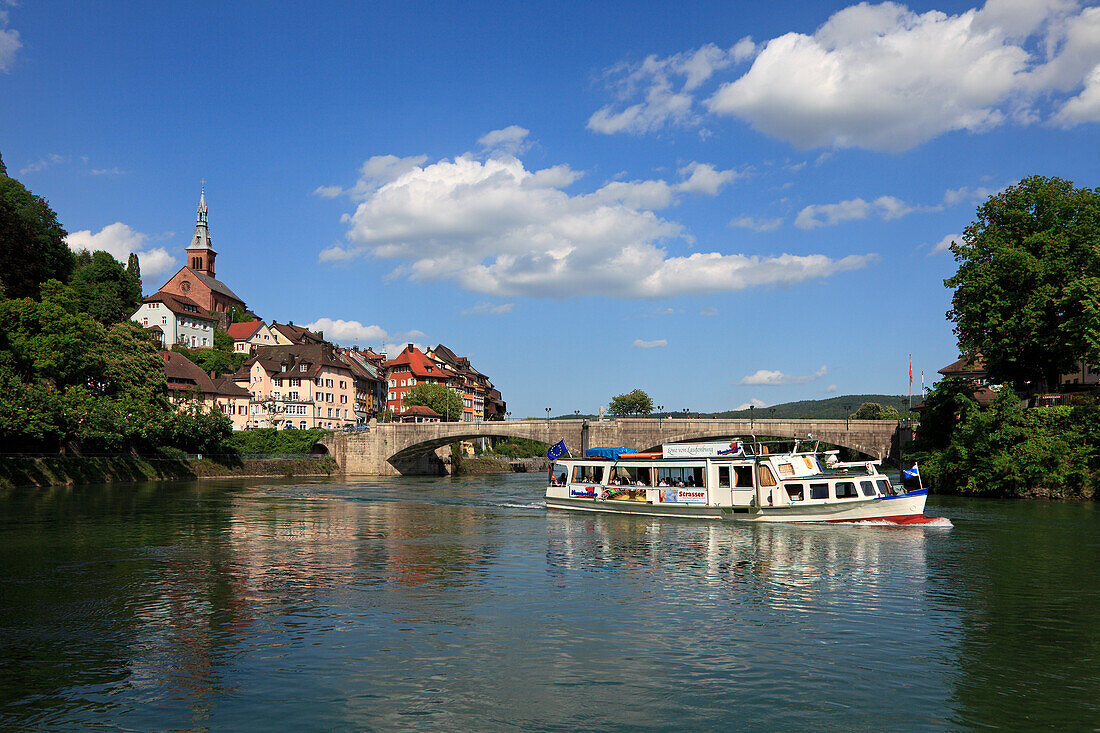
(328, 382)
(164, 320)
(145, 321)
(343, 384)
(302, 424)
(330, 412)
(295, 382)
(343, 399)
(301, 367)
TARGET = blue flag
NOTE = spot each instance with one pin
(913, 472)
(557, 450)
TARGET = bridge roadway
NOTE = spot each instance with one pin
(389, 449)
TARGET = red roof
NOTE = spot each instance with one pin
(243, 331)
(420, 365)
(176, 303)
(420, 411)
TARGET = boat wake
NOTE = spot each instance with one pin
(919, 522)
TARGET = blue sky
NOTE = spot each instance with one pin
(719, 203)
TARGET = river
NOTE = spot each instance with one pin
(463, 604)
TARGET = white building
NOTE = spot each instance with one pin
(176, 320)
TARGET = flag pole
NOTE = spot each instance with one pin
(910, 383)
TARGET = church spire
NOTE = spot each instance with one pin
(200, 253)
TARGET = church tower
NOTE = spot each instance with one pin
(200, 253)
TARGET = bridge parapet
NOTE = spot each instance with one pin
(417, 448)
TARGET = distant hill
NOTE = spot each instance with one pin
(832, 408)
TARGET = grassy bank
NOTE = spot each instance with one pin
(55, 471)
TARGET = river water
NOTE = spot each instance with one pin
(458, 604)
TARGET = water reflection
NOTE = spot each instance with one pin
(465, 604)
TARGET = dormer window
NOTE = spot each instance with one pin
(302, 367)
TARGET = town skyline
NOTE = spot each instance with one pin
(621, 200)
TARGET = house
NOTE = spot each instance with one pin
(287, 334)
(480, 400)
(247, 336)
(176, 319)
(410, 368)
(189, 384)
(370, 386)
(299, 385)
(196, 279)
(418, 413)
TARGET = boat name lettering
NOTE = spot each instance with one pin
(701, 450)
(685, 496)
(589, 493)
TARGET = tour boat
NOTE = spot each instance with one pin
(735, 481)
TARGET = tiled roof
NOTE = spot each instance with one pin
(969, 364)
(185, 375)
(243, 331)
(420, 365)
(297, 334)
(176, 303)
(216, 285)
(420, 411)
(274, 358)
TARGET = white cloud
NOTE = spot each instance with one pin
(43, 163)
(944, 244)
(667, 85)
(656, 344)
(757, 225)
(704, 178)
(9, 42)
(485, 308)
(511, 140)
(496, 228)
(754, 402)
(709, 312)
(119, 240)
(328, 192)
(880, 76)
(1085, 107)
(775, 378)
(831, 388)
(884, 207)
(107, 172)
(345, 332)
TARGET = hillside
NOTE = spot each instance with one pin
(832, 408)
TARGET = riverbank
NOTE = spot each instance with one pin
(60, 471)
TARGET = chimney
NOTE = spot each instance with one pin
(410, 348)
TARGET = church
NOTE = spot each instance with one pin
(196, 280)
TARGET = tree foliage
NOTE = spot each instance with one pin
(69, 381)
(104, 288)
(33, 242)
(875, 411)
(1027, 291)
(214, 360)
(443, 400)
(635, 402)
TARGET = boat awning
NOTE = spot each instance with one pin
(612, 453)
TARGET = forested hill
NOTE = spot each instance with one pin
(834, 408)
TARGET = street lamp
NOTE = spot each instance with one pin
(508, 415)
(847, 415)
(685, 413)
(659, 409)
(547, 418)
(752, 413)
(577, 413)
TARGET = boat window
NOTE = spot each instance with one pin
(786, 469)
(766, 477)
(794, 492)
(819, 491)
(685, 476)
(743, 477)
(868, 488)
(587, 474)
(723, 477)
(846, 489)
(884, 487)
(631, 476)
(558, 474)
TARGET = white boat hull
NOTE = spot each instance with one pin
(900, 509)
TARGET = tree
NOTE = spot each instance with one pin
(875, 411)
(105, 289)
(443, 400)
(32, 241)
(1027, 291)
(134, 267)
(636, 402)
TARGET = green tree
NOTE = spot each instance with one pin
(105, 289)
(1027, 291)
(133, 267)
(33, 242)
(875, 411)
(443, 400)
(635, 402)
(213, 360)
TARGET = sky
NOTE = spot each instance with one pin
(720, 203)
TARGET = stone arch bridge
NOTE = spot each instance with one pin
(416, 448)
